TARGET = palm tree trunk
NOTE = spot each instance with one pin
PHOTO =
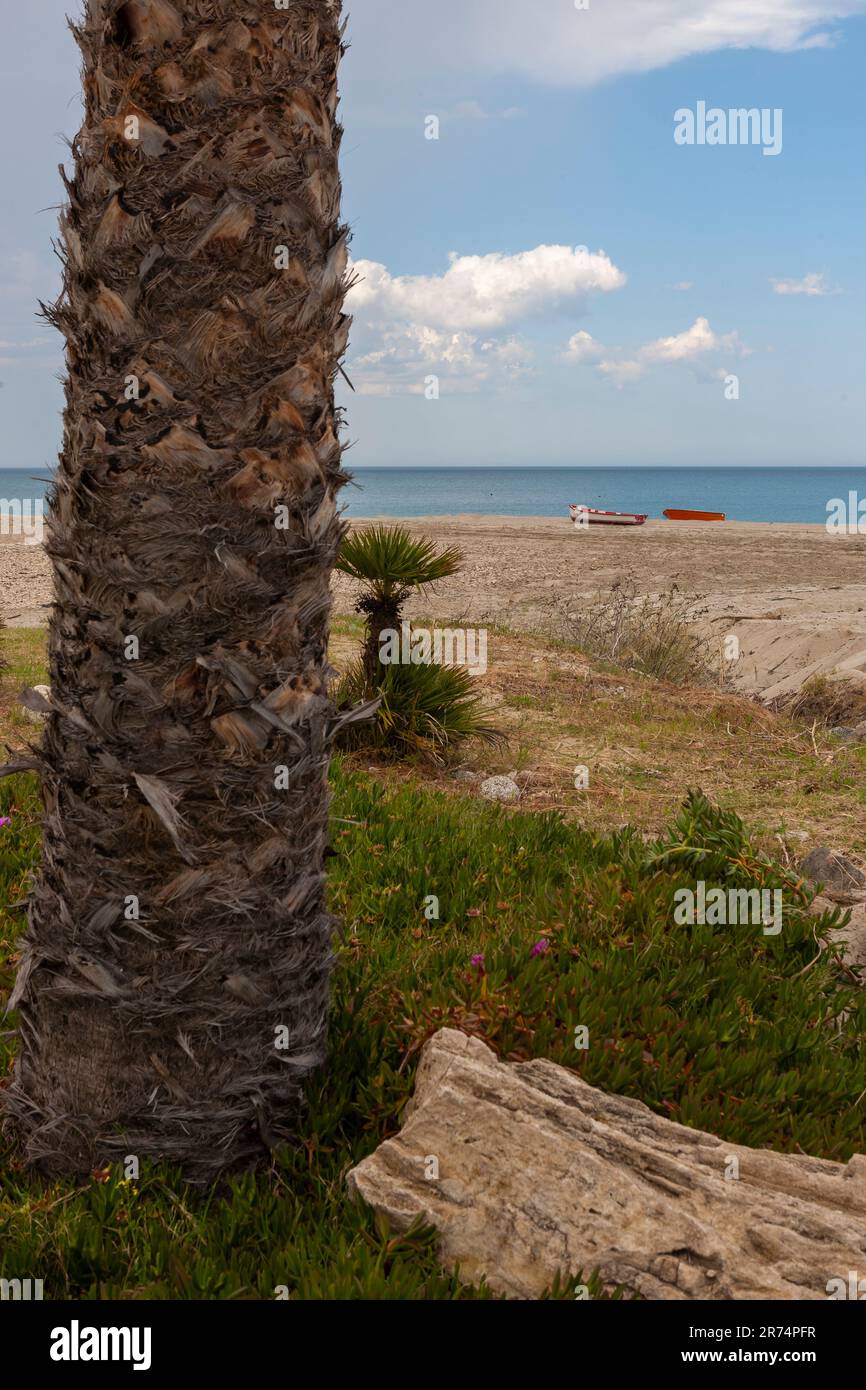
(381, 615)
(174, 983)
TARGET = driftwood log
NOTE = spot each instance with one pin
(527, 1172)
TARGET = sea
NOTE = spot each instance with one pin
(743, 494)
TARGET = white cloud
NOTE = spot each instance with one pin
(693, 346)
(555, 43)
(814, 284)
(461, 325)
(685, 347)
(484, 292)
(683, 285)
(406, 355)
(583, 348)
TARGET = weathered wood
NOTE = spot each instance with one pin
(539, 1174)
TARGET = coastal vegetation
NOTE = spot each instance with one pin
(653, 634)
(426, 708)
(828, 703)
(542, 926)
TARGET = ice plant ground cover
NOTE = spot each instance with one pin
(755, 1038)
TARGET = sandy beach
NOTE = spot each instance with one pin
(793, 594)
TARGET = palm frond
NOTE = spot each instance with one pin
(425, 709)
(390, 558)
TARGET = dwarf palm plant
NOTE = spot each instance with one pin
(390, 563)
(173, 986)
(423, 707)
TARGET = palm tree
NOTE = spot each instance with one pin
(173, 989)
(423, 708)
(390, 563)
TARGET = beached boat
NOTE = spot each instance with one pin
(676, 514)
(582, 516)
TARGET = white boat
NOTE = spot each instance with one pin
(592, 516)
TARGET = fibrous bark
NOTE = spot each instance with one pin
(173, 987)
(529, 1173)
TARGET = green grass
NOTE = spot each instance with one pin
(23, 648)
(755, 1038)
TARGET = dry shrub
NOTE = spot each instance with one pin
(653, 634)
(828, 702)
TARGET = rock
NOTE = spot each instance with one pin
(820, 905)
(36, 703)
(852, 938)
(834, 871)
(539, 1174)
(844, 734)
(500, 789)
(801, 835)
(463, 774)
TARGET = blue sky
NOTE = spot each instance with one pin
(556, 132)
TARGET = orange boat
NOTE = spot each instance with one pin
(674, 514)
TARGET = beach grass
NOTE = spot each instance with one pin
(644, 742)
(543, 927)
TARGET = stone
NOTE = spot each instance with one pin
(844, 734)
(500, 789)
(852, 938)
(35, 703)
(539, 1174)
(824, 866)
(463, 774)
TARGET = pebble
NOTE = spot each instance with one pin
(500, 789)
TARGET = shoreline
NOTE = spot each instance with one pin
(792, 592)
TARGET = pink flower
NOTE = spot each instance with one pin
(540, 947)
(4, 821)
(478, 962)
